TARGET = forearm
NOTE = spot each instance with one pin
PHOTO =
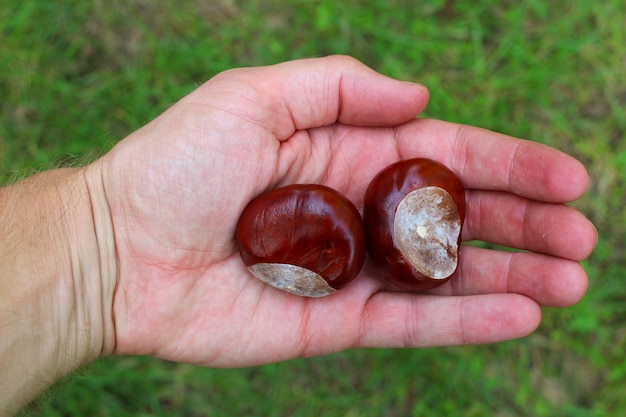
(56, 282)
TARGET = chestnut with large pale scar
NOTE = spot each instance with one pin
(414, 212)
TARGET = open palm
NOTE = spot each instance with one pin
(177, 187)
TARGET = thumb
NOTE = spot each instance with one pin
(315, 92)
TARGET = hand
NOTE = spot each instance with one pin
(176, 188)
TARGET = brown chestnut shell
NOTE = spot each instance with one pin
(306, 229)
(425, 182)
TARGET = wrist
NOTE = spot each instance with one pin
(57, 276)
(102, 255)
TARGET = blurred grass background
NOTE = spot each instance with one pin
(77, 76)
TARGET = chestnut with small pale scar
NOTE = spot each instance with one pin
(306, 239)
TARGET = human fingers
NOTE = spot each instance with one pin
(308, 93)
(410, 320)
(508, 220)
(548, 280)
(493, 161)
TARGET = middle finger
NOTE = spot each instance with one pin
(509, 220)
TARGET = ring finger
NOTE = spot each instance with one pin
(550, 281)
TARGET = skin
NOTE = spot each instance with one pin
(145, 256)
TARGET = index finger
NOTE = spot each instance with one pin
(493, 161)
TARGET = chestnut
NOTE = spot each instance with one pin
(414, 212)
(306, 239)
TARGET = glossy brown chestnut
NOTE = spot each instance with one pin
(414, 212)
(306, 239)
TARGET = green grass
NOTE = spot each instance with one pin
(77, 76)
